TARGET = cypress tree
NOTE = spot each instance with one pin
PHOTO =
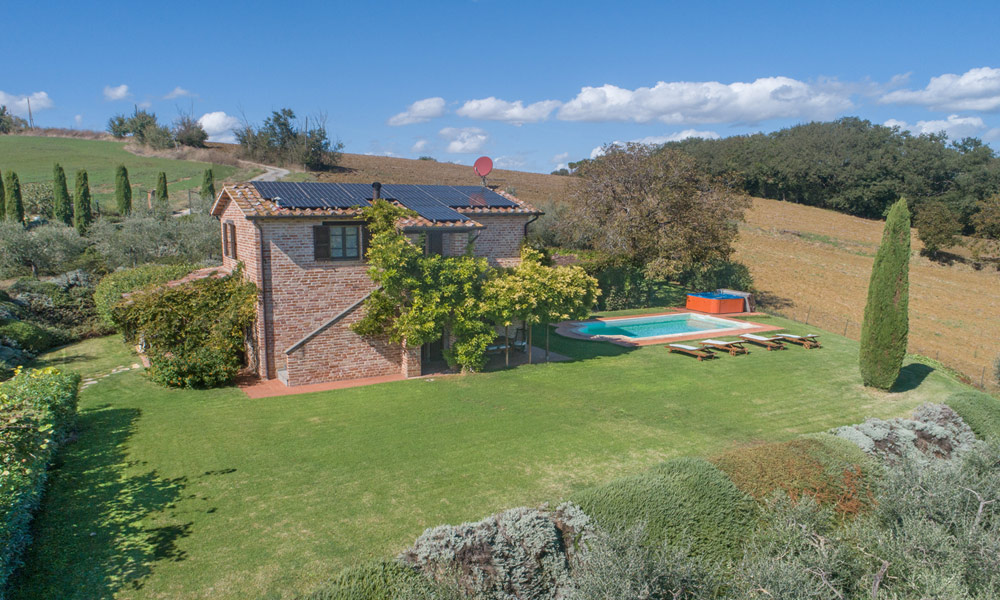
(162, 199)
(15, 206)
(123, 191)
(62, 206)
(208, 186)
(82, 215)
(3, 202)
(887, 321)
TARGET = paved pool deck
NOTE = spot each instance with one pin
(569, 329)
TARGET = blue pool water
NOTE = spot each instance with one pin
(716, 296)
(658, 326)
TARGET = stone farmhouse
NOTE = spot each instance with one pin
(303, 244)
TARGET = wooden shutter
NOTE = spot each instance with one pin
(225, 239)
(321, 242)
(232, 240)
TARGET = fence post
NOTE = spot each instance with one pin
(808, 312)
(982, 377)
(846, 323)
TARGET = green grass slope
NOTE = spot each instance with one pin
(192, 494)
(32, 158)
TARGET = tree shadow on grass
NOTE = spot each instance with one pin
(92, 534)
(911, 376)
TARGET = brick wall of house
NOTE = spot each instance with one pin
(501, 241)
(247, 252)
(305, 294)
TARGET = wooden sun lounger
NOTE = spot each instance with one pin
(691, 351)
(733, 348)
(772, 343)
(808, 342)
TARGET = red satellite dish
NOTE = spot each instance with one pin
(483, 166)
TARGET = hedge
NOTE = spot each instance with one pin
(111, 288)
(377, 580)
(980, 411)
(832, 470)
(687, 502)
(37, 414)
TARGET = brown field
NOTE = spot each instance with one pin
(813, 265)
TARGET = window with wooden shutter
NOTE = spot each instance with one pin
(339, 241)
(232, 240)
(229, 240)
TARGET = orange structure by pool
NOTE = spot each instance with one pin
(715, 303)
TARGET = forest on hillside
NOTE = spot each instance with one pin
(854, 166)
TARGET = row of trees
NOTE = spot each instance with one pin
(422, 298)
(65, 228)
(10, 123)
(282, 139)
(143, 127)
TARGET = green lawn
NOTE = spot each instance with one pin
(32, 158)
(181, 494)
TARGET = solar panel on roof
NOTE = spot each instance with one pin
(311, 195)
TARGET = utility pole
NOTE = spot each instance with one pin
(31, 121)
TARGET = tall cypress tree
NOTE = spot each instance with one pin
(3, 202)
(123, 191)
(161, 190)
(82, 216)
(62, 206)
(15, 206)
(208, 186)
(887, 320)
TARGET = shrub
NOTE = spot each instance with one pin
(44, 250)
(123, 191)
(67, 306)
(718, 274)
(27, 336)
(620, 565)
(15, 205)
(683, 501)
(519, 554)
(37, 413)
(832, 471)
(381, 580)
(208, 186)
(111, 288)
(194, 333)
(980, 411)
(937, 227)
(189, 132)
(886, 323)
(935, 431)
(38, 199)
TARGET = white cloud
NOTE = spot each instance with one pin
(78, 119)
(661, 139)
(18, 104)
(420, 111)
(560, 158)
(708, 102)
(465, 139)
(179, 92)
(116, 93)
(976, 89)
(219, 126)
(954, 126)
(510, 162)
(419, 146)
(515, 113)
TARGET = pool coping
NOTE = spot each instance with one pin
(568, 329)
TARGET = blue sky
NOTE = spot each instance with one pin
(531, 84)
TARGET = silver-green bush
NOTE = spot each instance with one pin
(935, 431)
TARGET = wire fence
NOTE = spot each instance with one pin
(975, 364)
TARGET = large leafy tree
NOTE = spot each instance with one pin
(82, 213)
(62, 205)
(15, 204)
(937, 227)
(123, 191)
(886, 325)
(654, 209)
(986, 224)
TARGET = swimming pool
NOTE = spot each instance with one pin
(657, 326)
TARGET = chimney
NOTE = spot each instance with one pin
(376, 191)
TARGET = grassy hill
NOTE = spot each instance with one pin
(32, 158)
